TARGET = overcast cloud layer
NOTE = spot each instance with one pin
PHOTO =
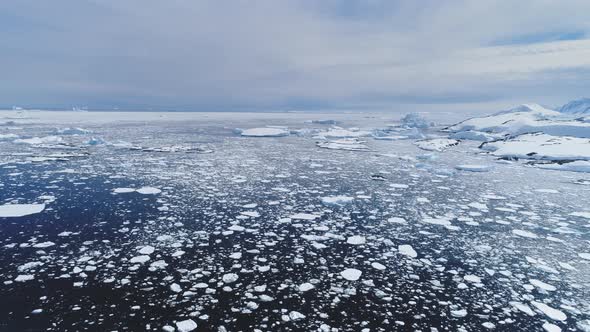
(277, 55)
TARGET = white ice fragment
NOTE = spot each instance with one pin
(406, 249)
(186, 325)
(229, 278)
(356, 240)
(175, 288)
(265, 132)
(551, 327)
(20, 210)
(148, 190)
(147, 250)
(351, 274)
(542, 285)
(474, 168)
(337, 200)
(524, 233)
(550, 312)
(304, 216)
(459, 313)
(306, 287)
(123, 190)
(140, 259)
(378, 266)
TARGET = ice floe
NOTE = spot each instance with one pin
(20, 210)
(265, 132)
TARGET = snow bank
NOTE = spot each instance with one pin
(541, 147)
(577, 107)
(582, 166)
(522, 119)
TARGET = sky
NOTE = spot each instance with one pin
(223, 55)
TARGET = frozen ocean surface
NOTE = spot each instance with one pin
(343, 222)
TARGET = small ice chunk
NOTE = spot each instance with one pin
(356, 240)
(229, 278)
(147, 250)
(351, 274)
(378, 266)
(306, 287)
(296, 315)
(524, 233)
(551, 327)
(140, 259)
(473, 168)
(186, 325)
(123, 190)
(406, 249)
(337, 200)
(550, 312)
(148, 190)
(265, 132)
(459, 313)
(542, 285)
(304, 216)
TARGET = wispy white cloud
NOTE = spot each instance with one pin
(292, 54)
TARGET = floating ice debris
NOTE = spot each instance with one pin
(551, 327)
(356, 240)
(186, 325)
(39, 140)
(147, 250)
(306, 287)
(347, 144)
(24, 277)
(337, 200)
(459, 313)
(524, 233)
(252, 214)
(123, 190)
(140, 259)
(229, 278)
(304, 216)
(472, 278)
(583, 214)
(20, 210)
(73, 131)
(406, 249)
(378, 266)
(474, 168)
(296, 316)
(175, 288)
(542, 285)
(265, 132)
(523, 307)
(351, 274)
(550, 312)
(148, 190)
(584, 255)
(343, 133)
(436, 144)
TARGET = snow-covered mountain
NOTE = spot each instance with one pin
(577, 107)
(527, 118)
